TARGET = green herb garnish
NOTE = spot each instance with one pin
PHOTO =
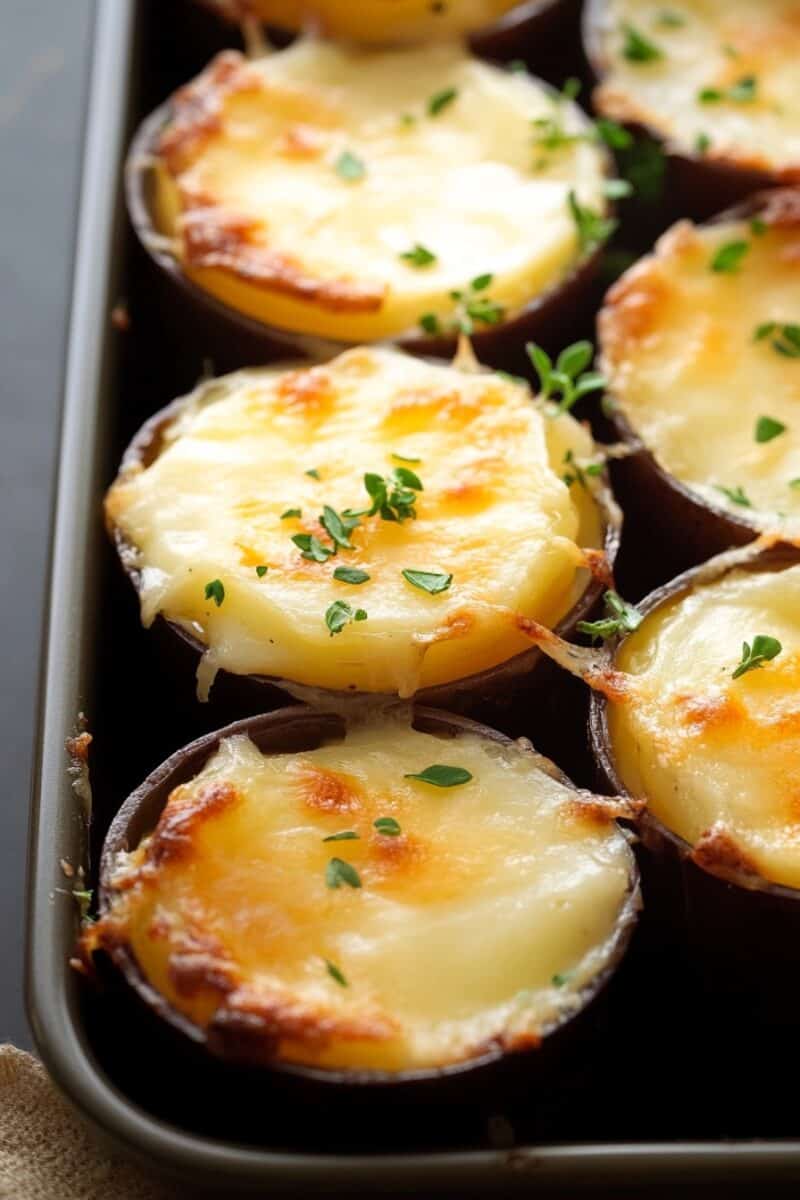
(758, 226)
(668, 19)
(338, 528)
(735, 494)
(637, 48)
(768, 428)
(615, 136)
(349, 167)
(471, 307)
(313, 472)
(347, 835)
(593, 228)
(620, 618)
(261, 571)
(728, 258)
(387, 826)
(83, 898)
(702, 143)
(440, 101)
(393, 497)
(215, 590)
(644, 165)
(419, 256)
(339, 614)
(442, 776)
(741, 92)
(350, 575)
(291, 512)
(432, 582)
(312, 548)
(787, 341)
(567, 379)
(576, 473)
(405, 458)
(338, 872)
(763, 649)
(335, 973)
(560, 980)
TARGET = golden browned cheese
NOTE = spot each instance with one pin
(702, 364)
(375, 21)
(348, 193)
(716, 77)
(718, 758)
(254, 459)
(479, 921)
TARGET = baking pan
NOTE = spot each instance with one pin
(672, 1091)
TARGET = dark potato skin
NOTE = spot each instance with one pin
(660, 509)
(739, 938)
(694, 186)
(229, 338)
(296, 729)
(528, 680)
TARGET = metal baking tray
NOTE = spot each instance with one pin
(670, 1091)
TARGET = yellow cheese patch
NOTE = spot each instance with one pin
(481, 921)
(295, 187)
(715, 76)
(702, 370)
(251, 450)
(711, 753)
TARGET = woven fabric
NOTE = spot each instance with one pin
(47, 1153)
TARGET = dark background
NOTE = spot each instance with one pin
(45, 49)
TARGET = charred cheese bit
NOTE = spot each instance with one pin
(494, 513)
(721, 75)
(294, 185)
(377, 21)
(694, 373)
(481, 923)
(718, 759)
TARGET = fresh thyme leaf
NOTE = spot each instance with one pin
(768, 428)
(440, 101)
(261, 571)
(338, 872)
(339, 614)
(419, 256)
(637, 48)
(312, 548)
(349, 167)
(313, 472)
(215, 590)
(338, 527)
(615, 136)
(763, 649)
(347, 835)
(350, 575)
(787, 341)
(702, 143)
(429, 322)
(560, 980)
(440, 775)
(432, 582)
(576, 473)
(593, 228)
(643, 164)
(566, 380)
(735, 494)
(335, 973)
(395, 496)
(728, 257)
(405, 458)
(744, 90)
(621, 618)
(387, 826)
(291, 512)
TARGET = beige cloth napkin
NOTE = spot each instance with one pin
(47, 1153)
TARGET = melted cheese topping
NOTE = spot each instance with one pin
(713, 754)
(709, 46)
(494, 513)
(679, 348)
(377, 20)
(294, 186)
(450, 944)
